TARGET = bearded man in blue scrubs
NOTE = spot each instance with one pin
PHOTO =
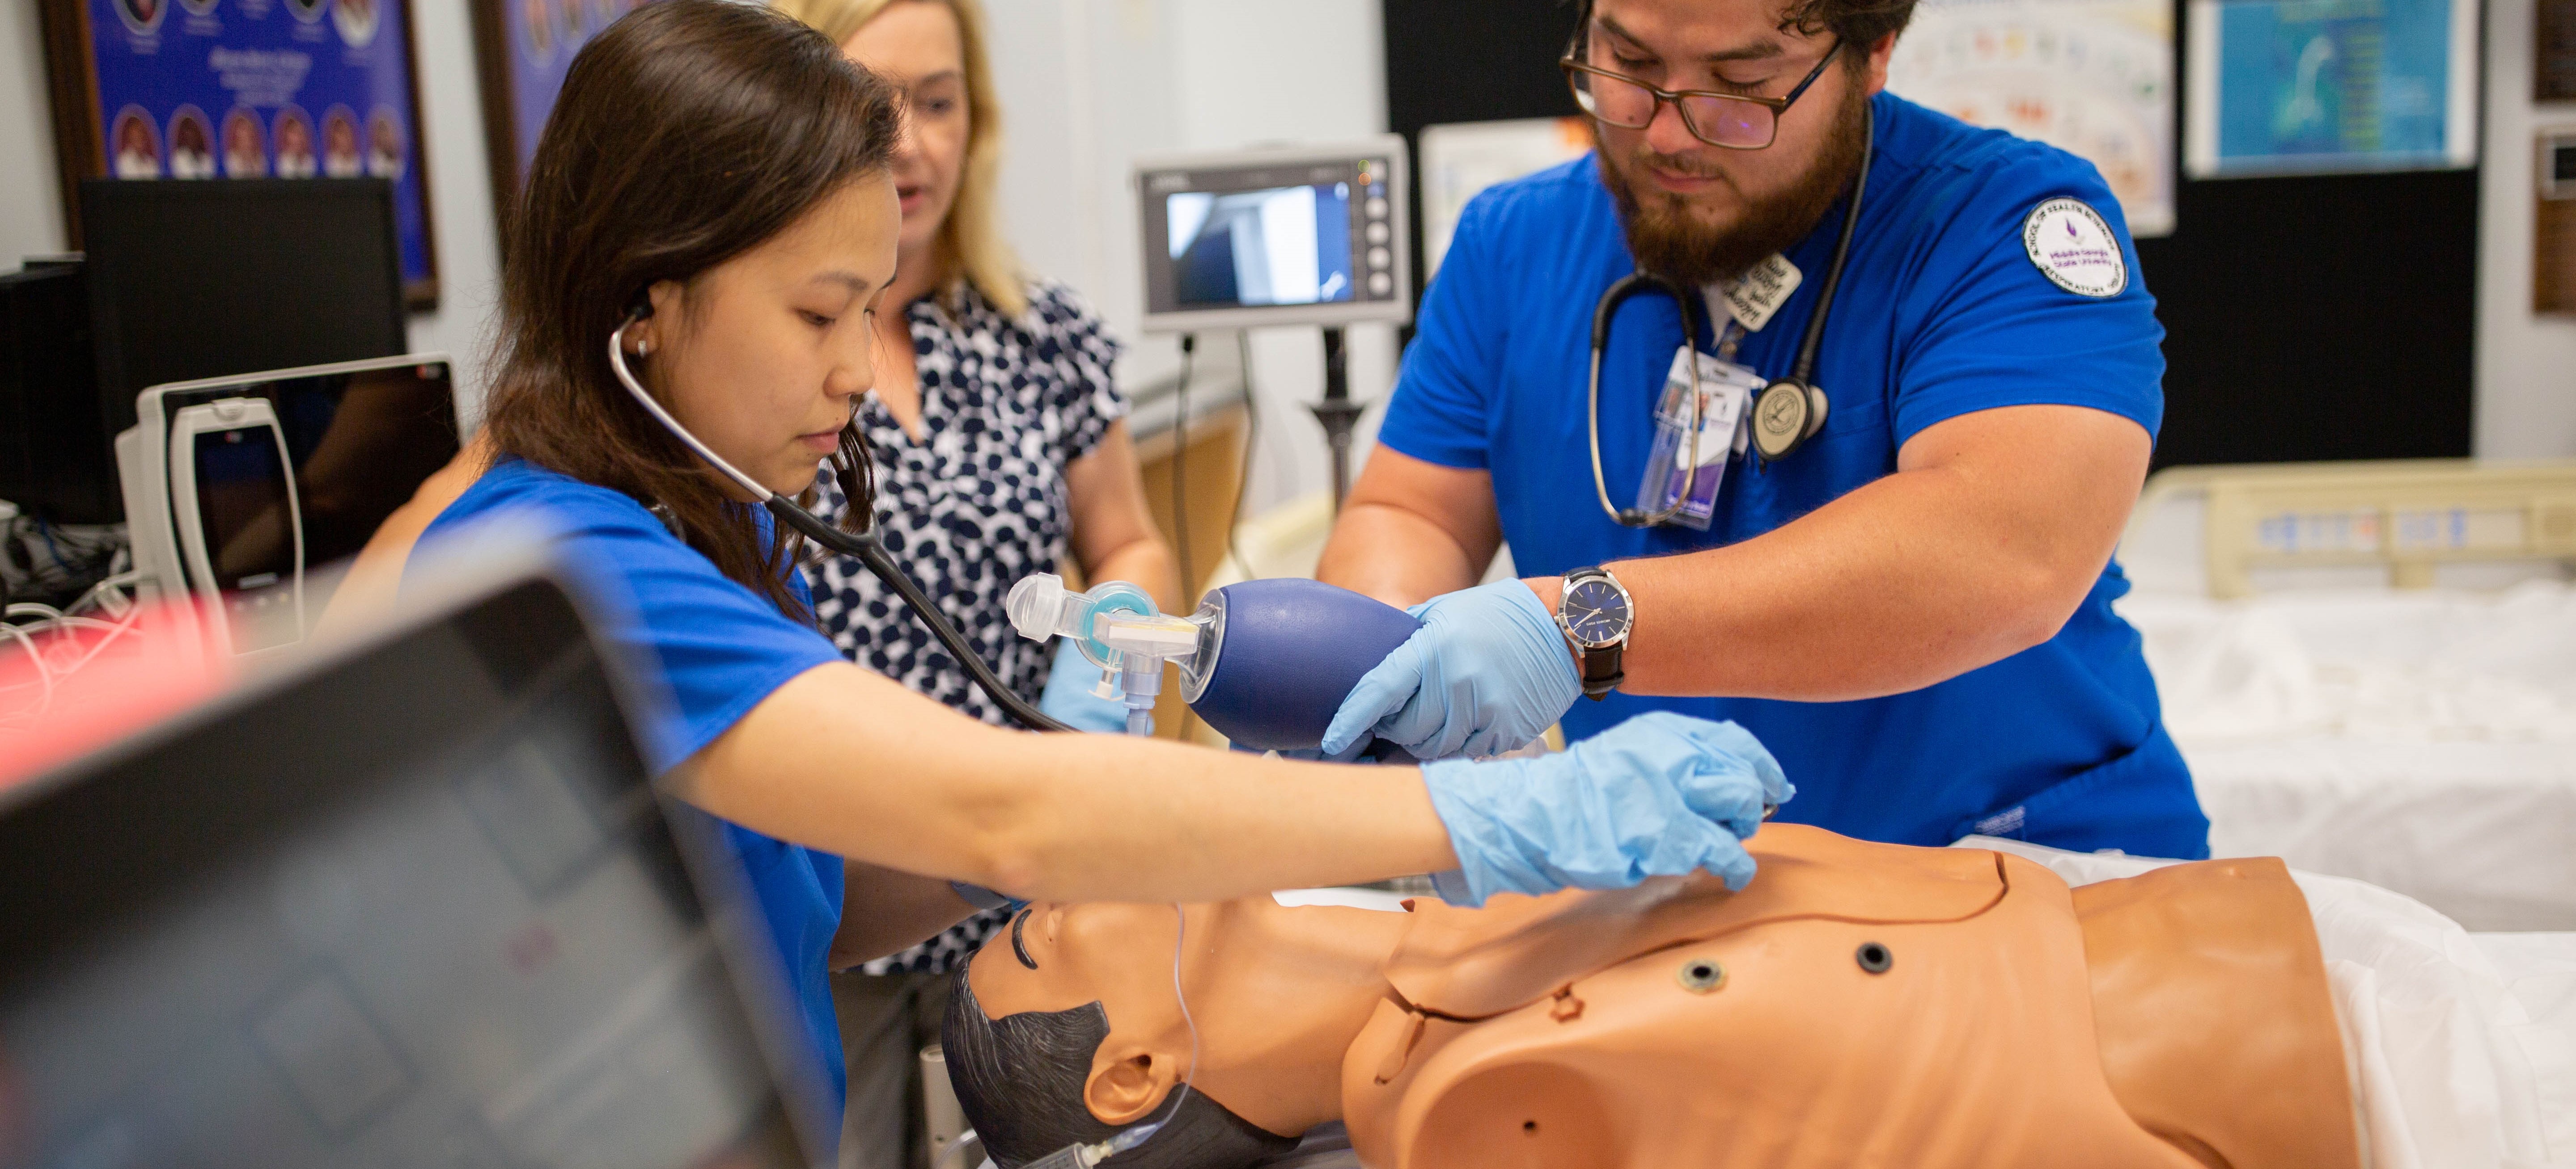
(1912, 609)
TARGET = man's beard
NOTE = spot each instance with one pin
(1668, 240)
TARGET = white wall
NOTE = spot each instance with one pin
(1088, 86)
(460, 199)
(2526, 364)
(31, 202)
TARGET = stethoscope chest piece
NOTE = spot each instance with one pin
(1785, 416)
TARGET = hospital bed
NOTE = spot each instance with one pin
(2371, 668)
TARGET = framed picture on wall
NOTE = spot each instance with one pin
(206, 90)
(2283, 87)
(522, 49)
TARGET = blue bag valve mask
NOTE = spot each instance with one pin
(1279, 656)
(1266, 663)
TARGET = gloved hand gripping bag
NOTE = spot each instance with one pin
(1290, 651)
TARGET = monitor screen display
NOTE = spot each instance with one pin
(243, 508)
(1285, 245)
(1275, 238)
(421, 909)
(246, 513)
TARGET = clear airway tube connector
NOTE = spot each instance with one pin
(1041, 607)
(1119, 630)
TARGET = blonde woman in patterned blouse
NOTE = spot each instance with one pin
(1001, 450)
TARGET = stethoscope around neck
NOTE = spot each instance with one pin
(1786, 413)
(862, 546)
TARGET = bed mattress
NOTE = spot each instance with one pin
(2424, 742)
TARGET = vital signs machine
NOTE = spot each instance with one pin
(235, 487)
(1291, 235)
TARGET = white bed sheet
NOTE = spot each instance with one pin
(2461, 1047)
(2422, 741)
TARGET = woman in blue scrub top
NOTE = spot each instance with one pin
(1913, 609)
(729, 168)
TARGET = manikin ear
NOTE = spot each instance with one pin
(1128, 1080)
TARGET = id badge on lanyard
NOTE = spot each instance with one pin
(1726, 392)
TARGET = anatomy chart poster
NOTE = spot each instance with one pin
(2091, 77)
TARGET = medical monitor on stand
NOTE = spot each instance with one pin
(1281, 236)
(238, 489)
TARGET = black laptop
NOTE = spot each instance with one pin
(412, 904)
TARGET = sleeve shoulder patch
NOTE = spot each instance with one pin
(2072, 245)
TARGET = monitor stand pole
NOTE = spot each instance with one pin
(1338, 412)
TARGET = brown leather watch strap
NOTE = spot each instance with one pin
(1602, 671)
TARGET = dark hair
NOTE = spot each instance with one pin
(687, 133)
(1859, 23)
(1019, 1079)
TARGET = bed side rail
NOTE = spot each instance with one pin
(2407, 515)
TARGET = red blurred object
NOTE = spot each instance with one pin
(137, 672)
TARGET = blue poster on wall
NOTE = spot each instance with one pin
(2314, 86)
(203, 89)
(527, 47)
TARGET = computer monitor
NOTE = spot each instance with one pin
(1284, 236)
(411, 904)
(237, 488)
(54, 433)
(195, 280)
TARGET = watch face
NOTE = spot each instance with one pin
(1595, 611)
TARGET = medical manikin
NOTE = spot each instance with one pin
(1857, 1004)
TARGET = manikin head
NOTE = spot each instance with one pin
(1697, 212)
(1067, 1027)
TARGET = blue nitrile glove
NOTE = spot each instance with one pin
(1069, 700)
(1658, 795)
(1488, 672)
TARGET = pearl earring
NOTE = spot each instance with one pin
(644, 348)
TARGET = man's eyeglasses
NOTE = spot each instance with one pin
(1728, 120)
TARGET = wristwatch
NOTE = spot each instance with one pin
(1595, 613)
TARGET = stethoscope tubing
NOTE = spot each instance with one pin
(861, 546)
(1608, 306)
(1802, 372)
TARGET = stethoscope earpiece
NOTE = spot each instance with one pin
(638, 311)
